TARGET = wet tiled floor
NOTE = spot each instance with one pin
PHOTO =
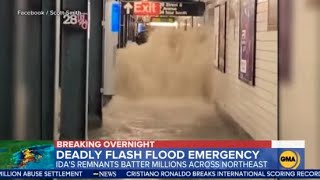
(163, 119)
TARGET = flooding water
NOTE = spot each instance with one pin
(172, 64)
(165, 90)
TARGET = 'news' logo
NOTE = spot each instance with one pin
(290, 159)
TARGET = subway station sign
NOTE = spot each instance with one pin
(182, 9)
(158, 8)
(75, 19)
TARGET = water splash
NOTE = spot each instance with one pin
(174, 63)
(164, 91)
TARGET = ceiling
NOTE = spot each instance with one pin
(179, 0)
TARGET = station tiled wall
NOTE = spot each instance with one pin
(254, 108)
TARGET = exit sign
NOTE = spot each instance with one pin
(147, 8)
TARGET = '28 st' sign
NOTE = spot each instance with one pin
(76, 20)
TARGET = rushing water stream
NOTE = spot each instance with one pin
(165, 90)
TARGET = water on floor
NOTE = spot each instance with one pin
(165, 91)
(163, 119)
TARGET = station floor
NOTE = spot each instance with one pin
(164, 119)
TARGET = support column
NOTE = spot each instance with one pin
(47, 73)
(25, 71)
(95, 72)
(73, 76)
(6, 69)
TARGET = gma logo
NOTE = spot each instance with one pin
(290, 159)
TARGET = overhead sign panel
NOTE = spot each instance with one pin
(156, 8)
(182, 8)
(115, 17)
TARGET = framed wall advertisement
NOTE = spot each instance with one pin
(247, 41)
(216, 33)
(222, 37)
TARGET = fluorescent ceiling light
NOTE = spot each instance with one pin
(164, 24)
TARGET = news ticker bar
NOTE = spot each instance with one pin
(314, 173)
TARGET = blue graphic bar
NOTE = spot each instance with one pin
(173, 159)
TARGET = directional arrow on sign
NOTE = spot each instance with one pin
(128, 7)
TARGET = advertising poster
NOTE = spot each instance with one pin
(222, 37)
(247, 41)
(216, 35)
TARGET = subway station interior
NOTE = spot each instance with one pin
(161, 70)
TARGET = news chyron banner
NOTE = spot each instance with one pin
(153, 159)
